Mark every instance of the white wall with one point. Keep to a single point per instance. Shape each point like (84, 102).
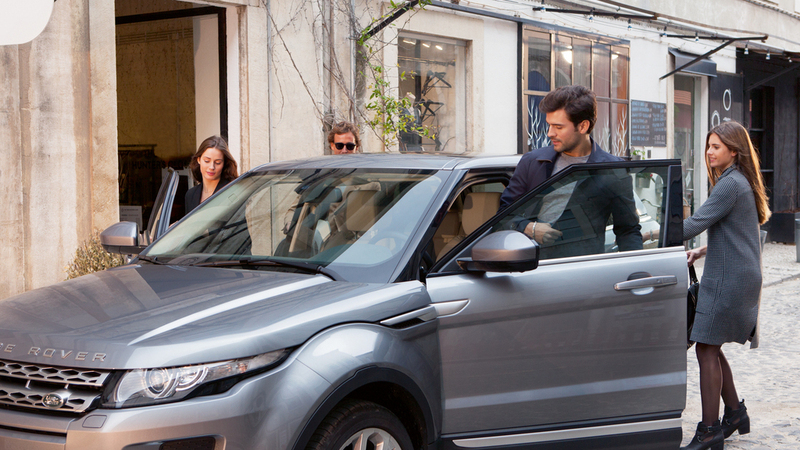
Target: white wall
(501, 84)
(206, 78)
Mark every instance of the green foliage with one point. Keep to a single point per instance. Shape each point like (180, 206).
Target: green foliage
(390, 115)
(92, 257)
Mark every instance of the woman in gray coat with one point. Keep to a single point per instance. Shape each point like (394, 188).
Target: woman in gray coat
(727, 305)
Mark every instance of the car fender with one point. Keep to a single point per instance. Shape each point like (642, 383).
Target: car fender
(356, 355)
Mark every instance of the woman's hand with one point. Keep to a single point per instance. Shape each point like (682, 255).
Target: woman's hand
(695, 254)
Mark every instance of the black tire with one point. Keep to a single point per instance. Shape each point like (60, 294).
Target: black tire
(351, 420)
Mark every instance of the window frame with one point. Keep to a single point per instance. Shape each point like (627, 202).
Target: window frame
(594, 41)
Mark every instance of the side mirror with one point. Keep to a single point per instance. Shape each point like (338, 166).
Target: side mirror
(503, 251)
(122, 238)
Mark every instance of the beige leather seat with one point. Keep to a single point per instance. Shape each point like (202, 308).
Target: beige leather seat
(358, 214)
(478, 208)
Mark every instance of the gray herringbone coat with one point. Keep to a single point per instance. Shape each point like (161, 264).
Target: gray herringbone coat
(727, 305)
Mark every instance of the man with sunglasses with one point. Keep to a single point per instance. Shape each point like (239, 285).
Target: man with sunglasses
(343, 138)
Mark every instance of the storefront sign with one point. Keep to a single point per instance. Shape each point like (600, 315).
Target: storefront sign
(725, 99)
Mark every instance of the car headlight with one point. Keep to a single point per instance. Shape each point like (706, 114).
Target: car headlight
(142, 387)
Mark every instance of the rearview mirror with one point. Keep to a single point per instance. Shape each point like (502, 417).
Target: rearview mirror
(503, 251)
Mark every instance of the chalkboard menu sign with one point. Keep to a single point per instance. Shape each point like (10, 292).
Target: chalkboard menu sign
(648, 124)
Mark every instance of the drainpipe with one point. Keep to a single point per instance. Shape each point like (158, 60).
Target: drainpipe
(269, 79)
(353, 50)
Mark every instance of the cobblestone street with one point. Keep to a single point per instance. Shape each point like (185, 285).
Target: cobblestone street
(766, 377)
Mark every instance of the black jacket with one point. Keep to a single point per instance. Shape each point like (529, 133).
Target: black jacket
(594, 200)
(536, 166)
(193, 195)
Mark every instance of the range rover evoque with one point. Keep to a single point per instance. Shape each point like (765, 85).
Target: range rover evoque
(365, 302)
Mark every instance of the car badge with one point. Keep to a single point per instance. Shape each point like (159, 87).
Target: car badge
(55, 400)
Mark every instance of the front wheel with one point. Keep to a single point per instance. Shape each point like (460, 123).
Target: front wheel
(360, 425)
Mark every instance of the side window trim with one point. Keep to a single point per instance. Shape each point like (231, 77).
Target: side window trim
(470, 179)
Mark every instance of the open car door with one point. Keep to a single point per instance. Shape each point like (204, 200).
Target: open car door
(125, 237)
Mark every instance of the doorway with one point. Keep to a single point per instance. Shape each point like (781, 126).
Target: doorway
(171, 94)
(688, 145)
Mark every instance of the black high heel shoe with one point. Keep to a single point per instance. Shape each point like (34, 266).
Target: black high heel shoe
(707, 437)
(735, 419)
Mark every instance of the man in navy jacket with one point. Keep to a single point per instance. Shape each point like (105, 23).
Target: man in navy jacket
(571, 112)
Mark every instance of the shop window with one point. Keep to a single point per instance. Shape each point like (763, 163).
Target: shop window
(557, 59)
(434, 81)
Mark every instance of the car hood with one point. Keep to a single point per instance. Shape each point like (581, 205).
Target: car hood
(158, 316)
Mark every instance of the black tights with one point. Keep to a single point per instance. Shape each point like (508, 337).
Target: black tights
(716, 380)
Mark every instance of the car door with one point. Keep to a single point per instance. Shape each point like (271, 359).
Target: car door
(589, 345)
(159, 221)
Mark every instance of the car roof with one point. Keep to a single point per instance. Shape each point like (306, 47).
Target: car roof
(423, 161)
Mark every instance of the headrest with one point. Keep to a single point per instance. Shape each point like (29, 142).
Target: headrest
(478, 208)
(360, 209)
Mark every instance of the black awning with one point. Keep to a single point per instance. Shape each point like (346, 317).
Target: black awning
(703, 67)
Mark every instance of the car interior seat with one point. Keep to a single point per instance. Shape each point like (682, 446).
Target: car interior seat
(478, 208)
(359, 211)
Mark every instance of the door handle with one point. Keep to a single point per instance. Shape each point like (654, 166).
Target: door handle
(649, 282)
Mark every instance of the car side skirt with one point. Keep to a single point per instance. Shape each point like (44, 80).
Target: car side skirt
(653, 434)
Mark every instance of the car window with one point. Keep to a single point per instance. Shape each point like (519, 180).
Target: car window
(473, 206)
(357, 218)
(591, 211)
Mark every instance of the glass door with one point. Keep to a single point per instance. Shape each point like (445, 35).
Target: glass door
(687, 140)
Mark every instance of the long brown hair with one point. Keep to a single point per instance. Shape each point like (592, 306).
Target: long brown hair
(735, 137)
(229, 167)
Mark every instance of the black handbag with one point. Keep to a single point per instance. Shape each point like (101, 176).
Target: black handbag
(691, 305)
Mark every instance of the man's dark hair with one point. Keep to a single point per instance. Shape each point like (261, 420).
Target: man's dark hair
(578, 102)
(342, 128)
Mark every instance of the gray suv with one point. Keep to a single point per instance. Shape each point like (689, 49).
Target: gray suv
(367, 302)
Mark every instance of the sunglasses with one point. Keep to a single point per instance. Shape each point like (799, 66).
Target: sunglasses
(341, 145)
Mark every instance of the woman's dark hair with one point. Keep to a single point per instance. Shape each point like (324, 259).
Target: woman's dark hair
(577, 101)
(342, 128)
(229, 168)
(736, 138)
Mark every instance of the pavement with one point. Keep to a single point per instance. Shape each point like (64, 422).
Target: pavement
(766, 377)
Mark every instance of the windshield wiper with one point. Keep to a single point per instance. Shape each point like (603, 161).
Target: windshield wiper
(151, 259)
(305, 267)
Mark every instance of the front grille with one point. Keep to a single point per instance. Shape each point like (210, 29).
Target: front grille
(27, 385)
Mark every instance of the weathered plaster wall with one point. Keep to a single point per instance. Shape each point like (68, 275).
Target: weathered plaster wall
(60, 179)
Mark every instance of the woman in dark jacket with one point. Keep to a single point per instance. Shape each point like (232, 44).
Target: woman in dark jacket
(727, 305)
(214, 167)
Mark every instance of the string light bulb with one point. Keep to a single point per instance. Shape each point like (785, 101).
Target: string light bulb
(591, 15)
(629, 24)
(696, 38)
(767, 55)
(746, 50)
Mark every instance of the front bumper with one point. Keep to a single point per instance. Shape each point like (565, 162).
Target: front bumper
(265, 411)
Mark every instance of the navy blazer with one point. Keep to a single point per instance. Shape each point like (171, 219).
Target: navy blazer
(536, 166)
(193, 196)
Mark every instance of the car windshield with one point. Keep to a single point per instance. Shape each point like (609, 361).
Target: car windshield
(350, 220)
